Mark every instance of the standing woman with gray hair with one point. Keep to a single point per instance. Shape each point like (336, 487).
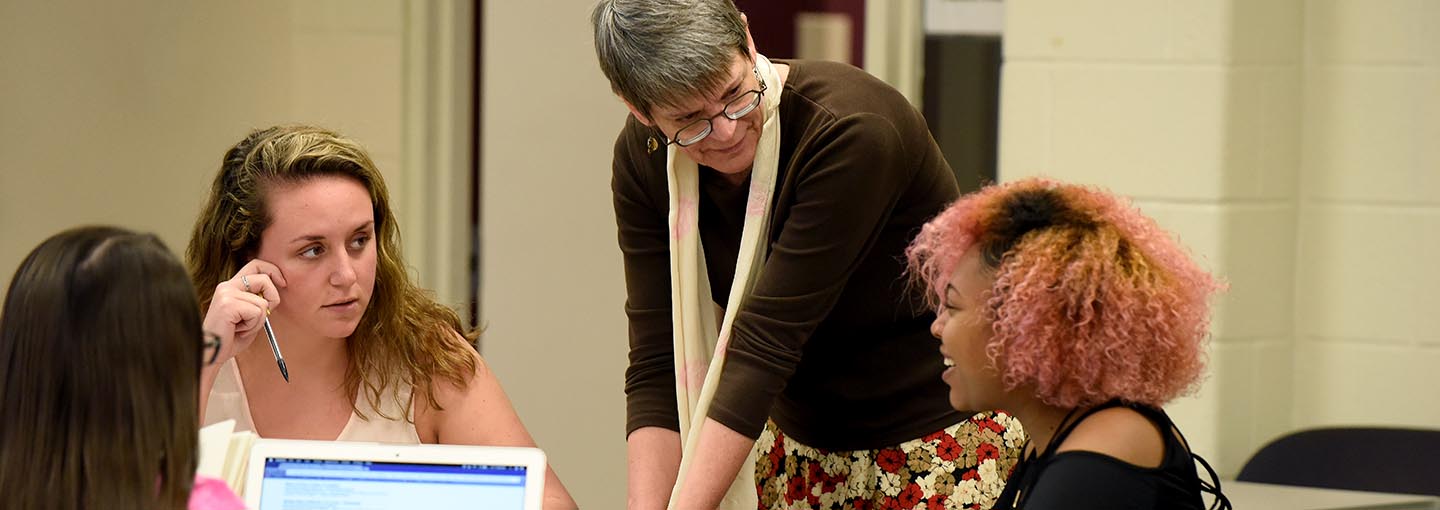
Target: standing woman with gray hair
(776, 350)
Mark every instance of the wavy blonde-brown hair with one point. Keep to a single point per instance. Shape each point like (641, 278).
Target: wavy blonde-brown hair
(404, 336)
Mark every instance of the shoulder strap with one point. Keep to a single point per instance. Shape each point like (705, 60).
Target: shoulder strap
(1211, 487)
(1067, 425)
(1160, 419)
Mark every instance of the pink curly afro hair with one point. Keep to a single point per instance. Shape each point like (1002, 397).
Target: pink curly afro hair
(1092, 300)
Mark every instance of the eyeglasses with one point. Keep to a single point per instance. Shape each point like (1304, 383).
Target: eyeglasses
(741, 106)
(211, 349)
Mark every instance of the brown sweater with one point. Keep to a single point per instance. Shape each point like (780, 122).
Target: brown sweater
(832, 343)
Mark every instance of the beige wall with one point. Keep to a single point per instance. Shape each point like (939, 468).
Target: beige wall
(119, 112)
(1368, 322)
(552, 287)
(1285, 141)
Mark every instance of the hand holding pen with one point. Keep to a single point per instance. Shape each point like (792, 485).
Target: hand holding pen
(240, 307)
(275, 348)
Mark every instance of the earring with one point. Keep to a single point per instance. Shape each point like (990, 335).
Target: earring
(651, 145)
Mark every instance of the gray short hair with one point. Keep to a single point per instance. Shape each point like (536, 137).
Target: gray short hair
(664, 52)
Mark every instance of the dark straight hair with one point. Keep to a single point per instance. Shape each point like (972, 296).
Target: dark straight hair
(100, 346)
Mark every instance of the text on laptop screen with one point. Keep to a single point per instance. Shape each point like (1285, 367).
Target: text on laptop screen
(313, 484)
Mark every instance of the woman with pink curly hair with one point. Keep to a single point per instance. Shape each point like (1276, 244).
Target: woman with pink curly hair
(1067, 307)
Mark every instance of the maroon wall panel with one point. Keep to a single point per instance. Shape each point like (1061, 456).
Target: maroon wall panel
(772, 23)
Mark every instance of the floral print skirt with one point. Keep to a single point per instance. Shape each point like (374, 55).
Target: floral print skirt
(963, 466)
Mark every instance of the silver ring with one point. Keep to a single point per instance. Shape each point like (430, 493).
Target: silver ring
(246, 282)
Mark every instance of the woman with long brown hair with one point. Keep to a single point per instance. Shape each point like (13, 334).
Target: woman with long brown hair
(100, 359)
(298, 227)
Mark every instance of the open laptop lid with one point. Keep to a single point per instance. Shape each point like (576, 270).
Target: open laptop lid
(290, 474)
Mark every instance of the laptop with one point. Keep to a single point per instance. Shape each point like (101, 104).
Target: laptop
(306, 475)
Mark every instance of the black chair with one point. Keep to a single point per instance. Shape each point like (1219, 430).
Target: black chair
(1396, 460)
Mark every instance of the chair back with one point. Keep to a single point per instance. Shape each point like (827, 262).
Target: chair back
(1372, 459)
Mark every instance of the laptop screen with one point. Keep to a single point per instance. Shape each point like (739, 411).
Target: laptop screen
(317, 484)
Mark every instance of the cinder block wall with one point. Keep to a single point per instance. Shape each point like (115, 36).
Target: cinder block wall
(1292, 145)
(1368, 270)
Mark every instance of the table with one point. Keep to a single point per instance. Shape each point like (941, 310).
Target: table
(1261, 496)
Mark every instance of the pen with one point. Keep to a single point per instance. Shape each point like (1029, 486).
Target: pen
(275, 348)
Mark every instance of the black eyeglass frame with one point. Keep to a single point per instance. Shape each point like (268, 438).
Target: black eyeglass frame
(211, 344)
(709, 122)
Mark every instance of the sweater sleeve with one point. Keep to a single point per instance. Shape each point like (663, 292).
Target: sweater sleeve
(848, 179)
(644, 243)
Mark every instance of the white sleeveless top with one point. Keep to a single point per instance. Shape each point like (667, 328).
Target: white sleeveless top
(228, 402)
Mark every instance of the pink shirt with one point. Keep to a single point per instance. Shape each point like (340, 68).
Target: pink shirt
(213, 494)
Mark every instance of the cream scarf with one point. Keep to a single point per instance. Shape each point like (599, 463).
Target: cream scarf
(699, 345)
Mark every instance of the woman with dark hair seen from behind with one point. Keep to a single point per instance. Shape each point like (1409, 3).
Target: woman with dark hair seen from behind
(100, 358)
(1069, 308)
(298, 225)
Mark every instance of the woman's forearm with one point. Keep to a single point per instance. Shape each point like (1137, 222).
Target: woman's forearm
(208, 375)
(718, 458)
(556, 496)
(653, 463)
